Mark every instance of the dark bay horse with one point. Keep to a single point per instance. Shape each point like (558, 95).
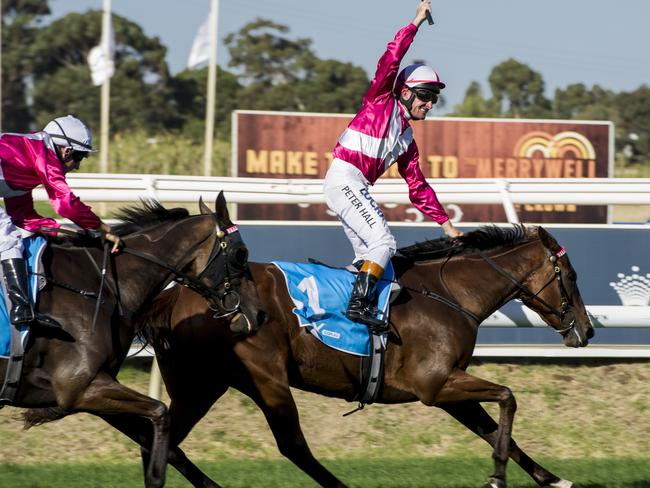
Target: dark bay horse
(430, 345)
(77, 372)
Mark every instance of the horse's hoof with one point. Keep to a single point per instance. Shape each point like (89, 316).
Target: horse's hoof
(563, 484)
(492, 482)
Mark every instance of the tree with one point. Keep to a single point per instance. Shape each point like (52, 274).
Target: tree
(633, 129)
(190, 88)
(141, 92)
(578, 102)
(475, 105)
(518, 91)
(283, 74)
(265, 56)
(20, 20)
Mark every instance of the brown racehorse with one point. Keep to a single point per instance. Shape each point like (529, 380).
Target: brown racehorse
(430, 344)
(76, 371)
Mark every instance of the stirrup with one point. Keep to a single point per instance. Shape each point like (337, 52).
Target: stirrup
(368, 317)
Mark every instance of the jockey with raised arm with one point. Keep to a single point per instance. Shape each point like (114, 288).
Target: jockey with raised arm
(27, 161)
(379, 136)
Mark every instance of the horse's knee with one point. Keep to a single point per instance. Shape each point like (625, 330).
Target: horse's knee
(507, 399)
(160, 415)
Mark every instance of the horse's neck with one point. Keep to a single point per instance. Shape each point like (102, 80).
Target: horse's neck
(488, 289)
(143, 277)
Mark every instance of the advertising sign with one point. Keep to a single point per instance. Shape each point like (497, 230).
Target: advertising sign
(298, 145)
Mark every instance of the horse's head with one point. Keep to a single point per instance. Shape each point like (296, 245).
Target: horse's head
(556, 297)
(226, 270)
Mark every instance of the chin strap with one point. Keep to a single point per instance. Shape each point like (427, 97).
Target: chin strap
(408, 102)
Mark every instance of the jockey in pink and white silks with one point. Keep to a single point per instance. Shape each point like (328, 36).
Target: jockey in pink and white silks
(380, 135)
(27, 161)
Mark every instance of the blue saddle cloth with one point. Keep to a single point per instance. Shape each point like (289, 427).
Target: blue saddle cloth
(321, 294)
(34, 247)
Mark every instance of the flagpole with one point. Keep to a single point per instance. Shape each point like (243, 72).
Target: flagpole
(211, 93)
(106, 90)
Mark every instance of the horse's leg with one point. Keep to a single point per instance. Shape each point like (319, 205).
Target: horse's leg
(463, 387)
(105, 396)
(139, 431)
(473, 416)
(279, 408)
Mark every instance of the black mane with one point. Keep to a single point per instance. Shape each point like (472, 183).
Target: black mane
(149, 213)
(481, 239)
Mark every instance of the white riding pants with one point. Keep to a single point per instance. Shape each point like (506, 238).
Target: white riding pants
(346, 194)
(11, 239)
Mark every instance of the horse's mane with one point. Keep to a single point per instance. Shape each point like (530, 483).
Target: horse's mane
(482, 239)
(147, 214)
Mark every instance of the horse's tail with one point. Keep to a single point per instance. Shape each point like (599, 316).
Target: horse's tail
(154, 325)
(38, 416)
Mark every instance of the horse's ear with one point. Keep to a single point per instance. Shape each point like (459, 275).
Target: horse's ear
(205, 210)
(221, 208)
(547, 239)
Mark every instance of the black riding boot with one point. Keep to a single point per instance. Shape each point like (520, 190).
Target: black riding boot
(361, 308)
(22, 312)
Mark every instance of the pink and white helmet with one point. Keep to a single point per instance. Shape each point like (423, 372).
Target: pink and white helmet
(419, 75)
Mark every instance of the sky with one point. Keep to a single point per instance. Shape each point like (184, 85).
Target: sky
(567, 41)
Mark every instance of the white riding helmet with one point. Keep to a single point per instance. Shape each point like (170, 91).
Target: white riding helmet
(419, 76)
(69, 131)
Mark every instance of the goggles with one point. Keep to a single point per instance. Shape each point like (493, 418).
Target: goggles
(78, 156)
(425, 95)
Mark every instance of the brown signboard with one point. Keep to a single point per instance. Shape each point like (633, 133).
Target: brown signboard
(293, 145)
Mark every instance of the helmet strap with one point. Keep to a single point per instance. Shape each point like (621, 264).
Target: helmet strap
(407, 102)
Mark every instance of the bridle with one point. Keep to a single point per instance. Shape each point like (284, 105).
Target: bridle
(226, 301)
(565, 307)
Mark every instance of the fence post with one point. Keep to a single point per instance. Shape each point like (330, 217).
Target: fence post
(508, 206)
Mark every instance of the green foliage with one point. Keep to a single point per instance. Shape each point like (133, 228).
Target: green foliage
(190, 92)
(475, 105)
(518, 90)
(20, 20)
(284, 74)
(165, 153)
(265, 56)
(141, 95)
(634, 124)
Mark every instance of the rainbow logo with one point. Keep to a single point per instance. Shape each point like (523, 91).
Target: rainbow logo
(567, 144)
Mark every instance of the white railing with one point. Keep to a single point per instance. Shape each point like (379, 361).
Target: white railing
(95, 187)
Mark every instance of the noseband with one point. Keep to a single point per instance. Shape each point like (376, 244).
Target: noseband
(557, 276)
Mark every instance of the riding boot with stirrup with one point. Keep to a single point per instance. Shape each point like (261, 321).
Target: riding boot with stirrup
(22, 312)
(361, 307)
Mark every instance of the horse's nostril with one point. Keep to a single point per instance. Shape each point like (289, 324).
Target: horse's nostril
(590, 332)
(261, 317)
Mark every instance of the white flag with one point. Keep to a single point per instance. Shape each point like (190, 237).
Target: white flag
(101, 68)
(200, 53)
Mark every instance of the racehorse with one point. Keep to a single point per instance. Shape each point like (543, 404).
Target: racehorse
(447, 290)
(77, 372)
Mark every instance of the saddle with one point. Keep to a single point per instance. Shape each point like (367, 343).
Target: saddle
(320, 294)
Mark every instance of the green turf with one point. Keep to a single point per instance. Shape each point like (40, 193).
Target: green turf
(431, 473)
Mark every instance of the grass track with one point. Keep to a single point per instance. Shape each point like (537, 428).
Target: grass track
(413, 473)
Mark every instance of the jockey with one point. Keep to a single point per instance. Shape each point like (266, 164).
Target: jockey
(378, 136)
(26, 161)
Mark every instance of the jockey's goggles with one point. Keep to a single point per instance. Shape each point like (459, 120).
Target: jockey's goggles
(425, 95)
(78, 156)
